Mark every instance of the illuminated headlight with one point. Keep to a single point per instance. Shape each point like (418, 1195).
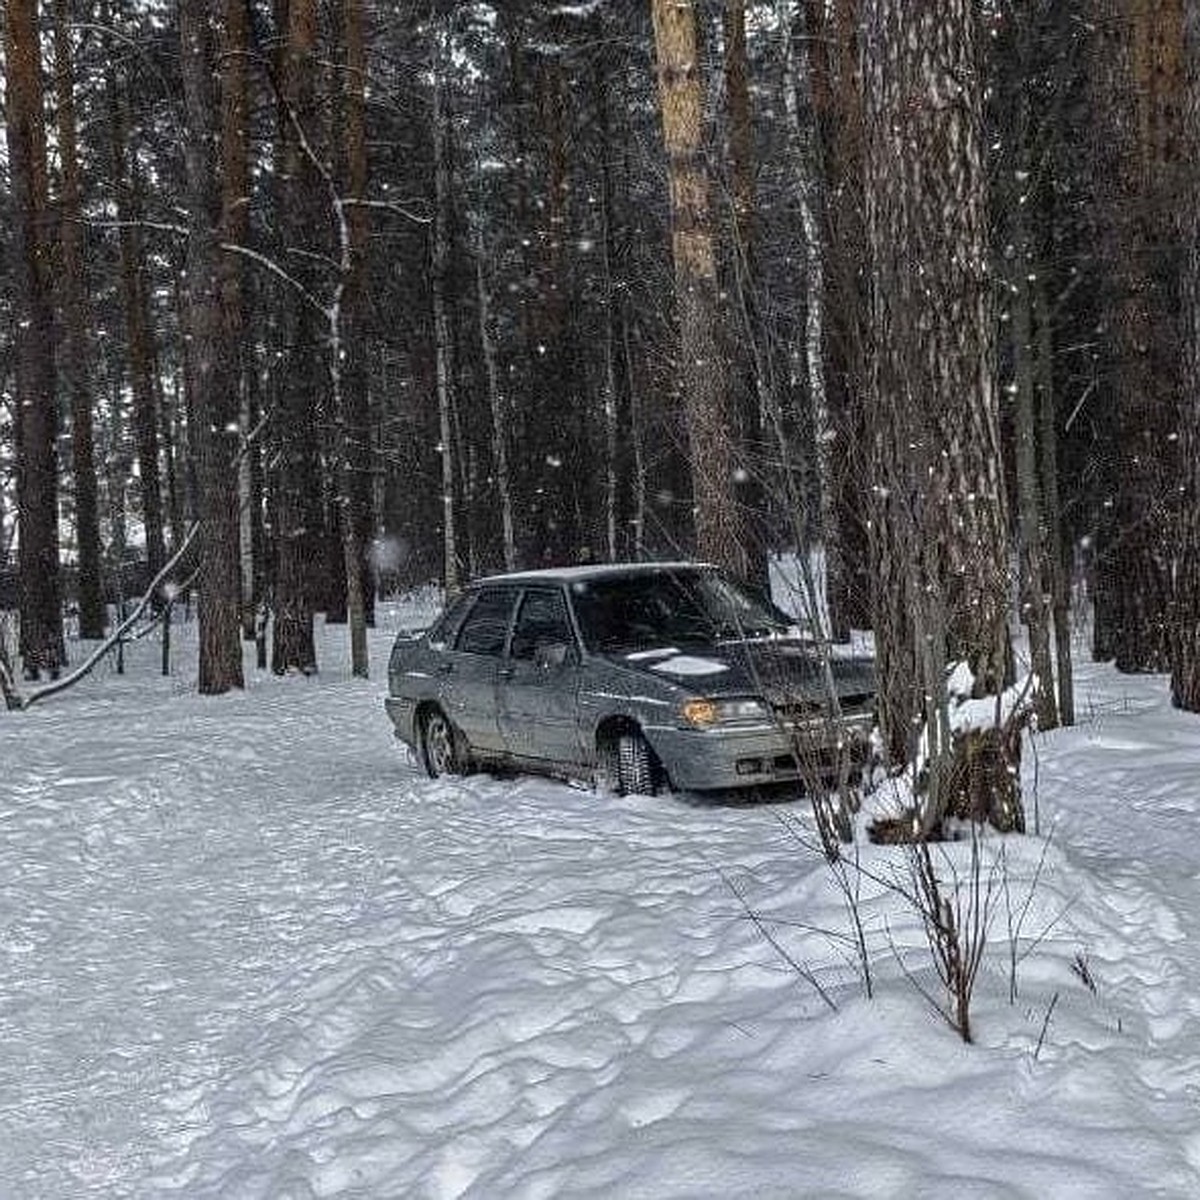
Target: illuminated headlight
(702, 714)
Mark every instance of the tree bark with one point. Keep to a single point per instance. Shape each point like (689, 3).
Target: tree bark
(41, 640)
(700, 370)
(497, 408)
(214, 323)
(1185, 648)
(127, 182)
(940, 524)
(1058, 550)
(1035, 589)
(752, 477)
(1139, 92)
(295, 511)
(833, 47)
(74, 359)
(354, 333)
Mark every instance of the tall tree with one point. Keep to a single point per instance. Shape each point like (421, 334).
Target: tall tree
(210, 43)
(74, 353)
(41, 641)
(135, 291)
(296, 523)
(1185, 657)
(353, 333)
(833, 28)
(1138, 82)
(443, 344)
(940, 527)
(701, 377)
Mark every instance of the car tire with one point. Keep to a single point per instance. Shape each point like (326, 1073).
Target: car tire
(441, 746)
(636, 769)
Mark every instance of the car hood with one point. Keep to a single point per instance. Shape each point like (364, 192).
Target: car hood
(778, 670)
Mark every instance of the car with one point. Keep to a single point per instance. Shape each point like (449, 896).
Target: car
(632, 677)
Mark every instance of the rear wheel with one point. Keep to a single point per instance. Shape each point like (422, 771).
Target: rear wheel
(440, 746)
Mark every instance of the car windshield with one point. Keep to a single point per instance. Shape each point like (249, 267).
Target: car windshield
(657, 609)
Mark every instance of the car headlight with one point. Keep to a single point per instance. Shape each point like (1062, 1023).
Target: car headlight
(703, 713)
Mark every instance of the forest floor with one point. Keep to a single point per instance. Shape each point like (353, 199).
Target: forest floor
(248, 950)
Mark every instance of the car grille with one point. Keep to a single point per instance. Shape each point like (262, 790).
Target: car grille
(805, 711)
(798, 710)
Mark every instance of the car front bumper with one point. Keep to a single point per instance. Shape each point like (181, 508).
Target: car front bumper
(716, 758)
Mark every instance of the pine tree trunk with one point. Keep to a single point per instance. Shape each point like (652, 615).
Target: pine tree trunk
(41, 640)
(295, 508)
(126, 176)
(214, 324)
(833, 29)
(700, 370)
(1185, 649)
(75, 363)
(1141, 77)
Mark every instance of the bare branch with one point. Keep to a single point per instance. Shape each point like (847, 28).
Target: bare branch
(85, 669)
(279, 272)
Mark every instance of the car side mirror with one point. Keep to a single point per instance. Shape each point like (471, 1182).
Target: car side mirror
(554, 654)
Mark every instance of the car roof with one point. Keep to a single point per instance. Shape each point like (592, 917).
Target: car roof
(588, 572)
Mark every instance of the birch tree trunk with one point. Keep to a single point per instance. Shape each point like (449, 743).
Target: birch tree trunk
(451, 566)
(497, 406)
(355, 397)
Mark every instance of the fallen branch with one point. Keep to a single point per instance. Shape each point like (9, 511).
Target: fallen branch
(85, 669)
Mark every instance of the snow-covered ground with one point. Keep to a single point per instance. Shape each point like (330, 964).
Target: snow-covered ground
(247, 950)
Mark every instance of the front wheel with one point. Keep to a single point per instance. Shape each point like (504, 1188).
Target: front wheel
(631, 768)
(440, 747)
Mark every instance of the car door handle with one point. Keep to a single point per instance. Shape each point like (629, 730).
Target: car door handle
(445, 669)
(504, 673)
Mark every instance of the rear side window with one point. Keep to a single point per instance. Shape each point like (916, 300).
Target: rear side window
(542, 621)
(442, 630)
(486, 626)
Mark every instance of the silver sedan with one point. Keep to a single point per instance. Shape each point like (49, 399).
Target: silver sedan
(634, 677)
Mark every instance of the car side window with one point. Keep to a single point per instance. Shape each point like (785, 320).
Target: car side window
(442, 630)
(486, 625)
(541, 621)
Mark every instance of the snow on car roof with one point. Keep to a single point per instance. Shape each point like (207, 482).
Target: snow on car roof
(590, 571)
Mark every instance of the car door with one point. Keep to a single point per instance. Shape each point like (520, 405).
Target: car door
(470, 670)
(538, 688)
